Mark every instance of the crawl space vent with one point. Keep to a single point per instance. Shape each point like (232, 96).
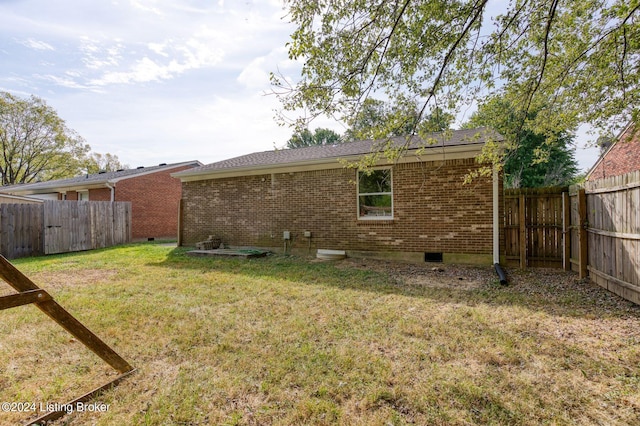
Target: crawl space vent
(433, 257)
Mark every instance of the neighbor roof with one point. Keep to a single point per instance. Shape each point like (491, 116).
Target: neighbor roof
(325, 154)
(93, 179)
(623, 156)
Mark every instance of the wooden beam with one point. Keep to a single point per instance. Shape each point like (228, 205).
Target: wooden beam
(24, 298)
(620, 235)
(582, 235)
(566, 232)
(523, 231)
(15, 278)
(54, 415)
(83, 334)
(20, 282)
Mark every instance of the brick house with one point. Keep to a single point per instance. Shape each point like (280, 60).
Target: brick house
(14, 199)
(300, 200)
(623, 156)
(153, 193)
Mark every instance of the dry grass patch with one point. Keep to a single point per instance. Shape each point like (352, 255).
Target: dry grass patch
(279, 341)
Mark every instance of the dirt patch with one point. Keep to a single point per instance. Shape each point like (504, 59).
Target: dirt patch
(73, 278)
(457, 277)
(546, 285)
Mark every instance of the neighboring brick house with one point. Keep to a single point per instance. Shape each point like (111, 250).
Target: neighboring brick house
(622, 157)
(14, 199)
(153, 193)
(416, 208)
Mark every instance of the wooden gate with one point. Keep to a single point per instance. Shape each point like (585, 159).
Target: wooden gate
(85, 225)
(535, 227)
(66, 226)
(62, 226)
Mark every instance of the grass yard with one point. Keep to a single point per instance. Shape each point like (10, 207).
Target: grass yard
(286, 341)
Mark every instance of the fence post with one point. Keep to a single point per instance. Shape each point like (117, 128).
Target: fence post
(523, 231)
(582, 233)
(180, 213)
(566, 232)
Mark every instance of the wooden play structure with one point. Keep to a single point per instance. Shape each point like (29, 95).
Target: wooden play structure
(28, 293)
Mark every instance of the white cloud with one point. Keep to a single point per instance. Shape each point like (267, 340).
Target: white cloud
(144, 6)
(36, 44)
(96, 56)
(256, 73)
(158, 48)
(200, 54)
(143, 71)
(69, 81)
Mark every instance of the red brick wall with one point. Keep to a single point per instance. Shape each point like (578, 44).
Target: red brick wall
(433, 210)
(100, 194)
(622, 158)
(154, 203)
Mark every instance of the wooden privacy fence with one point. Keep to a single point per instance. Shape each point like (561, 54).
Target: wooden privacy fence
(535, 226)
(62, 226)
(594, 230)
(613, 233)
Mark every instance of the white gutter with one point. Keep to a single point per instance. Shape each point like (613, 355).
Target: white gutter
(113, 190)
(496, 216)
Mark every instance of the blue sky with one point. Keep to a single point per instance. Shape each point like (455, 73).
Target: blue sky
(157, 81)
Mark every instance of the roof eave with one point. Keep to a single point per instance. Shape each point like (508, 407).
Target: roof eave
(58, 188)
(428, 154)
(55, 186)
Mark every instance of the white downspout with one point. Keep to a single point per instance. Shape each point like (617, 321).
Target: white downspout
(496, 216)
(113, 191)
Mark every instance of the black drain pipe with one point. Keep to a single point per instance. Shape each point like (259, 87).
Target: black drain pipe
(501, 274)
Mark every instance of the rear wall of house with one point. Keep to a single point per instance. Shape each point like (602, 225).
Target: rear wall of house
(155, 198)
(433, 211)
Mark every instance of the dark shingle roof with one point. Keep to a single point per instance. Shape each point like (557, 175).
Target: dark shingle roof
(329, 152)
(96, 178)
(622, 157)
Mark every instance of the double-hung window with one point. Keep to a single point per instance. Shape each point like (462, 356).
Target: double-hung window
(375, 197)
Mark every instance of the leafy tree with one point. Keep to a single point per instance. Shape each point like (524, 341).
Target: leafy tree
(38, 146)
(319, 137)
(378, 120)
(96, 162)
(36, 143)
(531, 159)
(437, 120)
(570, 62)
(604, 142)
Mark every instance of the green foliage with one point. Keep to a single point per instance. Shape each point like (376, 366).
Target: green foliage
(36, 143)
(531, 159)
(319, 137)
(96, 162)
(570, 62)
(378, 120)
(38, 146)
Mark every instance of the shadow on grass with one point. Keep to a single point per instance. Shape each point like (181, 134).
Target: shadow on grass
(556, 292)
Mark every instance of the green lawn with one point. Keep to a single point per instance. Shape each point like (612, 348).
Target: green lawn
(286, 341)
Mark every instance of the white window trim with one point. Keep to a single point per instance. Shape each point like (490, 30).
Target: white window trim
(378, 218)
(85, 192)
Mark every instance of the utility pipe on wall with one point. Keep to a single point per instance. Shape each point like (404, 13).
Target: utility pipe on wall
(113, 190)
(496, 216)
(496, 227)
